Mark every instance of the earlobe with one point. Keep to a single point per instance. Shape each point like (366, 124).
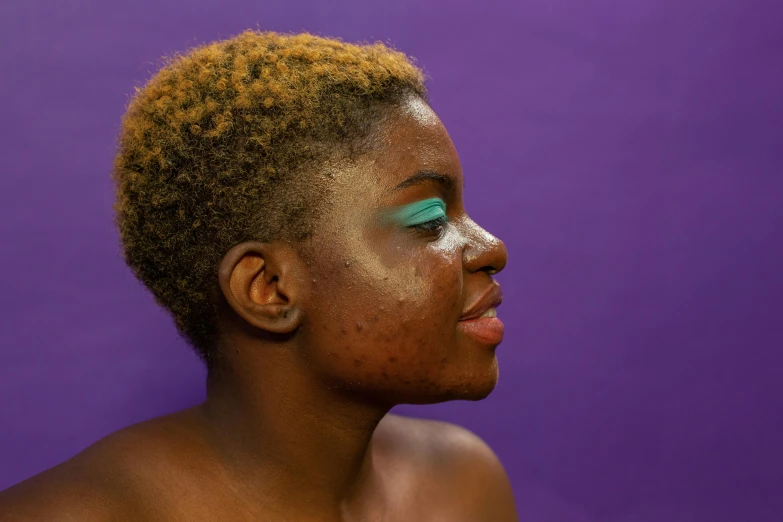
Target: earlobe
(282, 320)
(258, 282)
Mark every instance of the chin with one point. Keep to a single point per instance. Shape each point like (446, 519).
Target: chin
(480, 385)
(476, 389)
(461, 393)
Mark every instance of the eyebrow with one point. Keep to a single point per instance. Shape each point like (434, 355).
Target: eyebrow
(422, 176)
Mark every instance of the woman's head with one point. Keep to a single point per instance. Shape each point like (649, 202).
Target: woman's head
(300, 189)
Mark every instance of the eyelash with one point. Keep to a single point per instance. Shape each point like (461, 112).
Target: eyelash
(432, 226)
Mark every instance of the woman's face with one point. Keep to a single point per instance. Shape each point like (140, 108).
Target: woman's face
(390, 276)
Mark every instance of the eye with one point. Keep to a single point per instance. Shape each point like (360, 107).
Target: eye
(427, 216)
(434, 225)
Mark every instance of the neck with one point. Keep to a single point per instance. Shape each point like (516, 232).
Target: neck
(282, 434)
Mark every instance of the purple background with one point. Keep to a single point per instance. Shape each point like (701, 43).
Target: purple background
(628, 152)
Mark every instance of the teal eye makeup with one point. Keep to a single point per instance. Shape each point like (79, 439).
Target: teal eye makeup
(427, 214)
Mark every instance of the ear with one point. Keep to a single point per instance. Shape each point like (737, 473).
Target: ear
(259, 281)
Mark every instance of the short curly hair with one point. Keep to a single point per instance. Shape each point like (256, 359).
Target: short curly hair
(215, 149)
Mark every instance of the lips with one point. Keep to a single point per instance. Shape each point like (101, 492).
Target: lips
(479, 321)
(491, 298)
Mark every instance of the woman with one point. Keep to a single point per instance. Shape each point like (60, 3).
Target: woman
(296, 205)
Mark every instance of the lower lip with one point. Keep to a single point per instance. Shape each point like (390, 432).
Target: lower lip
(488, 330)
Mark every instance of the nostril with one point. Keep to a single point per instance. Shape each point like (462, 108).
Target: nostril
(491, 270)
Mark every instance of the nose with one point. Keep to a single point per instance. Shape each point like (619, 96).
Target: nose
(483, 251)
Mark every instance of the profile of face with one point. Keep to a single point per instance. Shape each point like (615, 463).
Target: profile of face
(393, 265)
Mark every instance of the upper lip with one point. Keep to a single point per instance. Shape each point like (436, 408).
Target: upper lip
(491, 298)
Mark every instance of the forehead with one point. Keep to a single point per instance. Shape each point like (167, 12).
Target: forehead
(409, 139)
(413, 139)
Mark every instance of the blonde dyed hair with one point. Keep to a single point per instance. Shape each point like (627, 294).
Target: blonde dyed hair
(218, 148)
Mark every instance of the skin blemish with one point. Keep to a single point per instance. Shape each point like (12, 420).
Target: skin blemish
(347, 264)
(359, 326)
(405, 325)
(357, 362)
(392, 359)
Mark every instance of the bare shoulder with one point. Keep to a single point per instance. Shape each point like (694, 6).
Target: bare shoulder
(446, 468)
(81, 488)
(107, 481)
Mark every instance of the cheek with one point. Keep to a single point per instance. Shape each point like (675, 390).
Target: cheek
(417, 324)
(391, 326)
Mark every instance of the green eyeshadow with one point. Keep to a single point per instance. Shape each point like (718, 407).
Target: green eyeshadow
(417, 213)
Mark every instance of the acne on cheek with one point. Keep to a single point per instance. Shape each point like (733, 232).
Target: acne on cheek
(371, 351)
(382, 332)
(376, 343)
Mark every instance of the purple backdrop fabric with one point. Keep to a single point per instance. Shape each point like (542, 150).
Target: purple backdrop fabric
(629, 154)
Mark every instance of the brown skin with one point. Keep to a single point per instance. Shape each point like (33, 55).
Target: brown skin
(321, 340)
